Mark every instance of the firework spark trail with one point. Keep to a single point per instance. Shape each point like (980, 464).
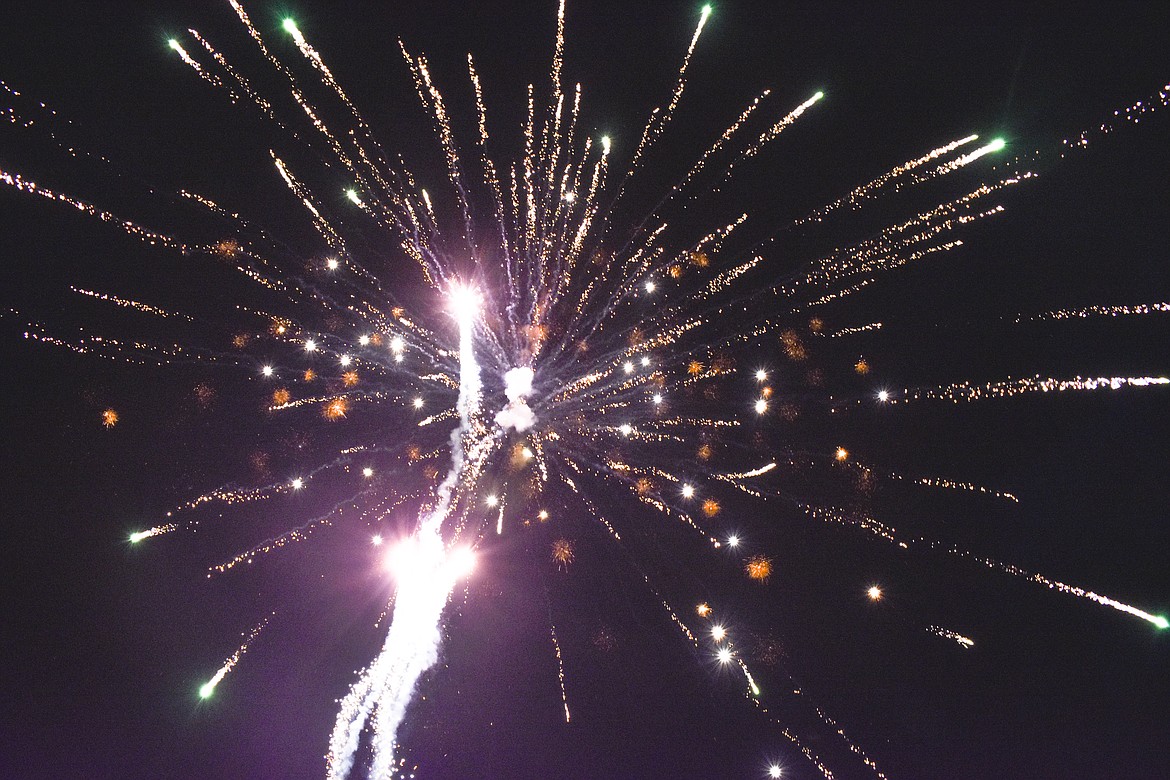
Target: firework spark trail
(208, 688)
(1006, 388)
(872, 326)
(883, 531)
(1156, 620)
(659, 118)
(1097, 311)
(424, 584)
(552, 630)
(965, 642)
(950, 484)
(871, 188)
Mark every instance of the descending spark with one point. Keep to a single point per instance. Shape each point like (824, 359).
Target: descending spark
(208, 688)
(1097, 311)
(950, 484)
(946, 633)
(855, 330)
(868, 190)
(1159, 621)
(560, 670)
(129, 304)
(966, 391)
(883, 531)
(748, 474)
(158, 530)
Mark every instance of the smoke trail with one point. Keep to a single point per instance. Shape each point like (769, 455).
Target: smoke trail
(425, 573)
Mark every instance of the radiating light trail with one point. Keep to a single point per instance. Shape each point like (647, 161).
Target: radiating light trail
(208, 688)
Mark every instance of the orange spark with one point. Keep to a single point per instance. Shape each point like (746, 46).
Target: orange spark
(335, 409)
(758, 567)
(227, 248)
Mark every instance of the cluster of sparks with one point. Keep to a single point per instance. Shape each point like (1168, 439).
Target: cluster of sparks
(571, 360)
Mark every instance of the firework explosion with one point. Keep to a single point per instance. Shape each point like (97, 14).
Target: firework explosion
(561, 344)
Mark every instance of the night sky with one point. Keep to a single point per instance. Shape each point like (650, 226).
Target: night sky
(104, 645)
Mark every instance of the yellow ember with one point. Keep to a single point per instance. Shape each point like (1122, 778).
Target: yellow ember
(861, 366)
(793, 347)
(710, 507)
(109, 418)
(562, 553)
(349, 378)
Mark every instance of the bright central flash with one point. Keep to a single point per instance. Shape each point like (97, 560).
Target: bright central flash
(412, 561)
(463, 301)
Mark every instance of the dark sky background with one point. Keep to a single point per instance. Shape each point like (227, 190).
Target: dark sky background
(105, 645)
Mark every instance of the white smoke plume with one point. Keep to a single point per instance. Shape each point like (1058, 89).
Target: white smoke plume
(517, 415)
